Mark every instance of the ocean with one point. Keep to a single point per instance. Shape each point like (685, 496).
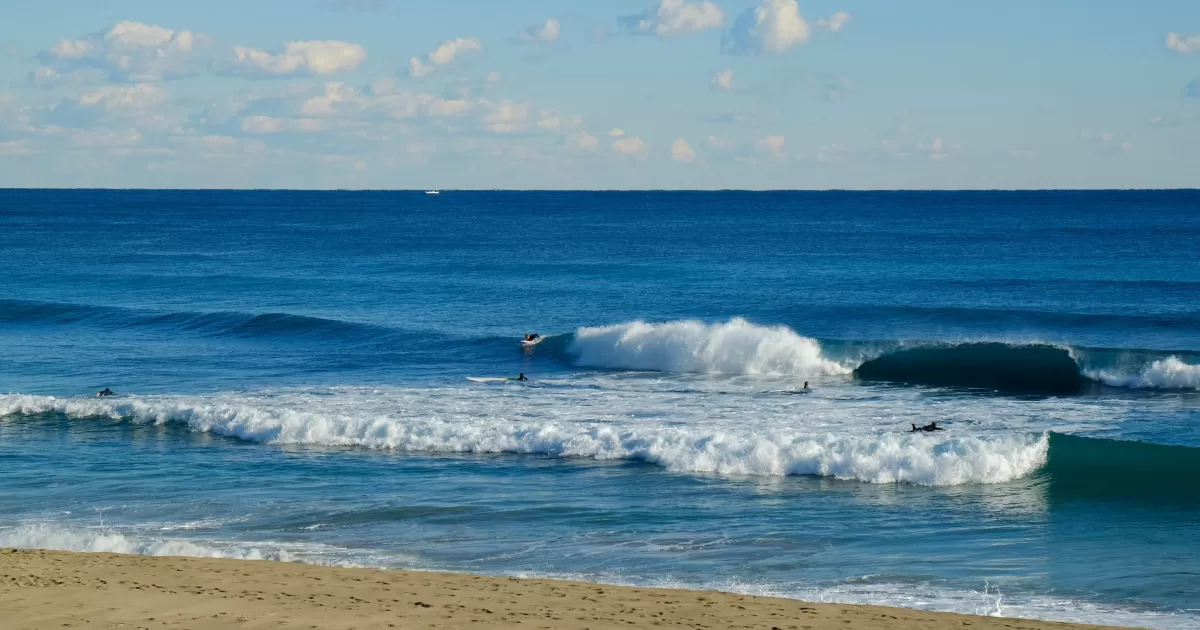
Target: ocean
(292, 368)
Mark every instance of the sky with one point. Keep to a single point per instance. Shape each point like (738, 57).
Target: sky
(600, 94)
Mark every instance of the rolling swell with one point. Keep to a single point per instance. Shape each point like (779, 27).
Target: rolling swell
(1085, 467)
(210, 324)
(1035, 369)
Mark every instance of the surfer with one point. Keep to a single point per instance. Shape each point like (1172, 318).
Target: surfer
(521, 377)
(532, 337)
(105, 392)
(929, 428)
(805, 385)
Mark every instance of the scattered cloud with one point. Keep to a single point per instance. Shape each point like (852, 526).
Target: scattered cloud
(934, 150)
(47, 78)
(771, 28)
(1127, 147)
(681, 151)
(834, 23)
(118, 98)
(103, 138)
(631, 146)
(443, 55)
(16, 148)
(506, 117)
(774, 146)
(582, 141)
(492, 78)
(1183, 44)
(674, 17)
(383, 99)
(133, 51)
(723, 80)
(316, 58)
(268, 124)
(616, 133)
(547, 32)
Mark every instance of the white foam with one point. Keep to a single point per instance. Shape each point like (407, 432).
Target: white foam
(453, 421)
(1168, 373)
(107, 540)
(733, 347)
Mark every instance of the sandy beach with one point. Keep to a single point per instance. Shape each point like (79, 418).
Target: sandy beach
(50, 589)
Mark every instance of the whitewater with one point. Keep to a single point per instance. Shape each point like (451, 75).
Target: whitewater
(292, 376)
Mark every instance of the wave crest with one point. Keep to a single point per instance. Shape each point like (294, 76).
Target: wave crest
(733, 347)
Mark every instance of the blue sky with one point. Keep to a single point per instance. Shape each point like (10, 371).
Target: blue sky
(815, 94)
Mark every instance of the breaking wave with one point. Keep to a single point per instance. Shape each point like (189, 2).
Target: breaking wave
(872, 458)
(733, 347)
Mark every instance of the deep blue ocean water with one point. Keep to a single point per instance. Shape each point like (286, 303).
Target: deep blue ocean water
(292, 377)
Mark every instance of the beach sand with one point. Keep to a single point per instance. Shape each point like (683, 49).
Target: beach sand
(52, 589)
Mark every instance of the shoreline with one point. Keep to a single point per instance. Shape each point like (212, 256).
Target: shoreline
(42, 589)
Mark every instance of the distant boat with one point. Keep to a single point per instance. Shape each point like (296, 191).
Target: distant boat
(433, 192)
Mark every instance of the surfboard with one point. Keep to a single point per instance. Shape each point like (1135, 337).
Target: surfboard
(525, 343)
(487, 379)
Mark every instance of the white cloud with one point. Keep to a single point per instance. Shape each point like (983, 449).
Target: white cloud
(582, 141)
(442, 55)
(89, 138)
(1127, 146)
(492, 78)
(675, 17)
(775, 146)
(16, 148)
(269, 124)
(550, 121)
(681, 151)
(934, 149)
(547, 32)
(47, 77)
(142, 96)
(772, 27)
(1183, 44)
(506, 116)
(631, 146)
(616, 133)
(133, 51)
(384, 99)
(310, 57)
(723, 80)
(835, 22)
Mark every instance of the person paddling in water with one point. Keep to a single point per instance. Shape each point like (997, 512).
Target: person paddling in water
(929, 428)
(105, 392)
(521, 377)
(532, 337)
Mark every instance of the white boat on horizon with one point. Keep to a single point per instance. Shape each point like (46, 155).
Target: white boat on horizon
(433, 192)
